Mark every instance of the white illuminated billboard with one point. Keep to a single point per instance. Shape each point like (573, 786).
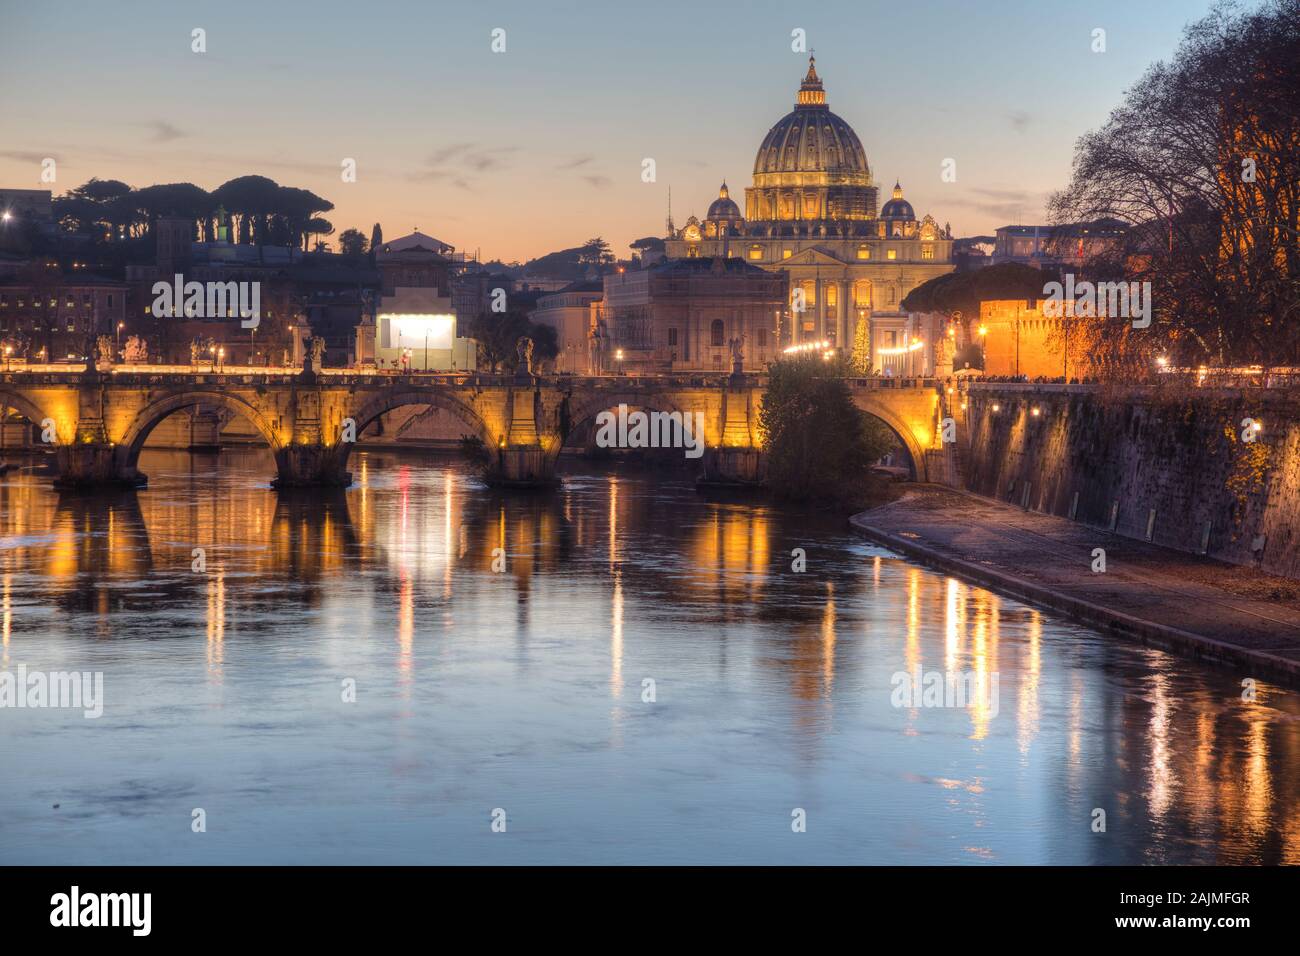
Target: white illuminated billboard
(411, 330)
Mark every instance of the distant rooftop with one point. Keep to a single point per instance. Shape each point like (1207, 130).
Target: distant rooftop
(417, 241)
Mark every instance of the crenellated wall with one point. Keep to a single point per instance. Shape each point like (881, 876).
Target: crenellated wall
(1113, 458)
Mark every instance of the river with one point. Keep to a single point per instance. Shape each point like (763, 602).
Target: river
(421, 670)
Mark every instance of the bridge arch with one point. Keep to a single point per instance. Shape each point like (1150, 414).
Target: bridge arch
(25, 407)
(438, 397)
(148, 418)
(586, 408)
(895, 423)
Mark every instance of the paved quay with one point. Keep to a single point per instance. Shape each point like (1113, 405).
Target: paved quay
(1170, 599)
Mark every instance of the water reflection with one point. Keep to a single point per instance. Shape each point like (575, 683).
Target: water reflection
(500, 643)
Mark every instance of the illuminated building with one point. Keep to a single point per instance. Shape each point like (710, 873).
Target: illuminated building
(575, 313)
(811, 213)
(414, 325)
(1072, 244)
(684, 314)
(1021, 340)
(47, 315)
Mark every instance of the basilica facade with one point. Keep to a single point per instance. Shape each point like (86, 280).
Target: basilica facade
(812, 212)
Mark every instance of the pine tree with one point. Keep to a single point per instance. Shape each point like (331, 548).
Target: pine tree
(861, 359)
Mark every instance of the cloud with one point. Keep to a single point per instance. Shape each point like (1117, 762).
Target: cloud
(1019, 195)
(164, 132)
(1008, 204)
(471, 156)
(1019, 120)
(598, 181)
(484, 160)
(446, 153)
(576, 162)
(23, 156)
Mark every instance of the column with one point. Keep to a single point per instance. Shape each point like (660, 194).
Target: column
(846, 309)
(819, 313)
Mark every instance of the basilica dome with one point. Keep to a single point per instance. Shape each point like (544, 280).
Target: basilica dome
(724, 208)
(812, 139)
(897, 207)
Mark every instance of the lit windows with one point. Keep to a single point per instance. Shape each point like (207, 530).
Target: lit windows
(927, 252)
(891, 255)
(864, 252)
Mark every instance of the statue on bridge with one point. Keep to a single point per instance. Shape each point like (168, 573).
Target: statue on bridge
(737, 345)
(524, 351)
(195, 347)
(136, 351)
(105, 353)
(316, 352)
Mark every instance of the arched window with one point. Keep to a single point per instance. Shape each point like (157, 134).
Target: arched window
(715, 332)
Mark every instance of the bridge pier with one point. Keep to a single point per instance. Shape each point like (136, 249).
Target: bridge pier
(311, 466)
(85, 465)
(521, 466)
(734, 466)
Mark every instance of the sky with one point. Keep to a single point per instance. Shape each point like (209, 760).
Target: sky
(518, 153)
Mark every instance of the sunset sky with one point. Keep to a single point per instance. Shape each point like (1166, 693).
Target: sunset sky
(524, 152)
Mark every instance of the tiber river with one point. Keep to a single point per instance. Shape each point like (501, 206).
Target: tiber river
(645, 681)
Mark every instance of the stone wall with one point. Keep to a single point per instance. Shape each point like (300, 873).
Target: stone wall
(1164, 465)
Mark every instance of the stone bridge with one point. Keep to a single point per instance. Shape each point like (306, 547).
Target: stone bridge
(99, 421)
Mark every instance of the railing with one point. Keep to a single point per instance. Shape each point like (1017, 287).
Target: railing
(984, 386)
(207, 372)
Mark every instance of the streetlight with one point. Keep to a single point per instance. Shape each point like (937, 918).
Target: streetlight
(618, 357)
(984, 331)
(9, 349)
(221, 356)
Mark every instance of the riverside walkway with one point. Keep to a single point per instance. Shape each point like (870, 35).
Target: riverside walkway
(1224, 613)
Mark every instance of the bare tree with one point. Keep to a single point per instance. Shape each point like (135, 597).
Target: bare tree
(1202, 158)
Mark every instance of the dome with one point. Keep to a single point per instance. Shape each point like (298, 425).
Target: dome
(812, 139)
(897, 207)
(724, 208)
